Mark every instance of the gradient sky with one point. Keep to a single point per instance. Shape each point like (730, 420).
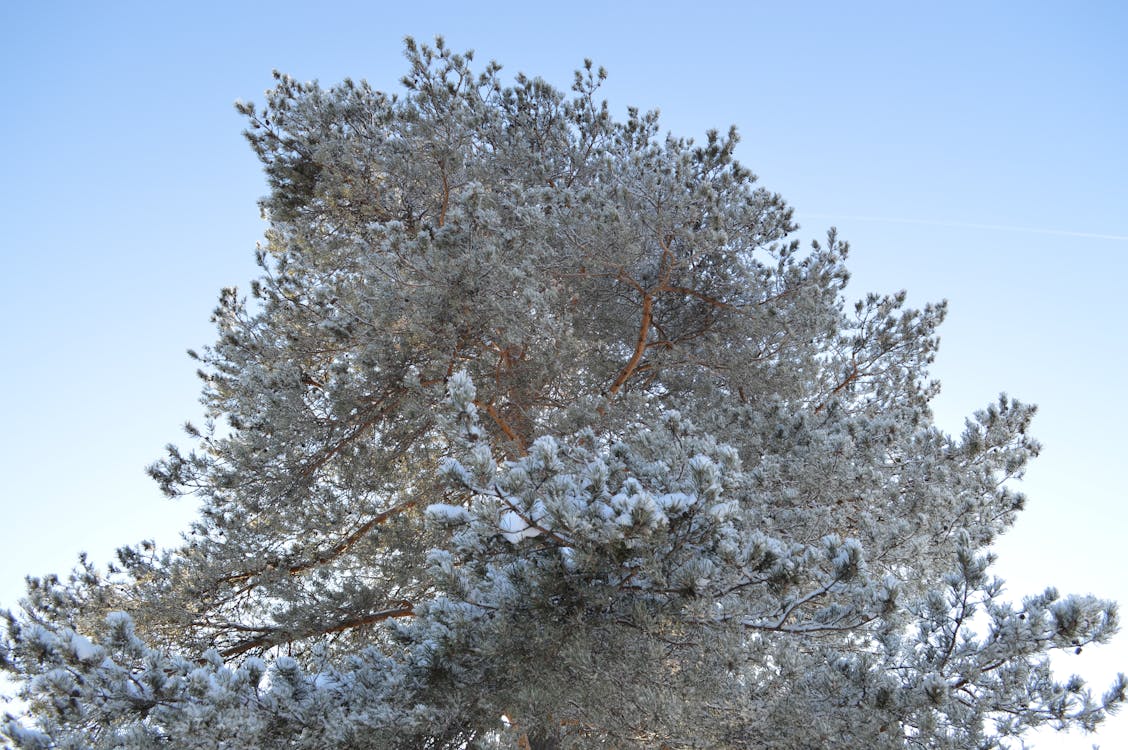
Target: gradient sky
(974, 152)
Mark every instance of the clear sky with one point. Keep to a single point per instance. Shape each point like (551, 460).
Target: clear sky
(970, 151)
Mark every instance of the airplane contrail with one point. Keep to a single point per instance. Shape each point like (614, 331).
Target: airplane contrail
(970, 225)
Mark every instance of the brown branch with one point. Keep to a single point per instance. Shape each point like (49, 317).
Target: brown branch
(713, 301)
(667, 263)
(622, 276)
(405, 609)
(276, 636)
(336, 550)
(347, 543)
(309, 380)
(850, 378)
(640, 345)
(503, 425)
(782, 295)
(446, 198)
(328, 453)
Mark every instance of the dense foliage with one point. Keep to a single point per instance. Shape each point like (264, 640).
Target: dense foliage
(539, 431)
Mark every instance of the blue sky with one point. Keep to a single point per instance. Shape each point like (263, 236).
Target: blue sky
(969, 152)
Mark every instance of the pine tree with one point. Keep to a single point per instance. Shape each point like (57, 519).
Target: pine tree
(539, 430)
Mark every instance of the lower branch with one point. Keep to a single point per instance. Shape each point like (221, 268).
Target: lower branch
(276, 637)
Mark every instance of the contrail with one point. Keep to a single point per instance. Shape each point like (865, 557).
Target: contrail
(970, 225)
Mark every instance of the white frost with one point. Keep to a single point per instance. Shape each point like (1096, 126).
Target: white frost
(84, 650)
(444, 513)
(514, 528)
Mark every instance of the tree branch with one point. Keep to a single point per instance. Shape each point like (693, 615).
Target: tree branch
(277, 636)
(640, 345)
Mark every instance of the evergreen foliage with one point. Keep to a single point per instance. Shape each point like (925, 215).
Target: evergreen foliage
(539, 431)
